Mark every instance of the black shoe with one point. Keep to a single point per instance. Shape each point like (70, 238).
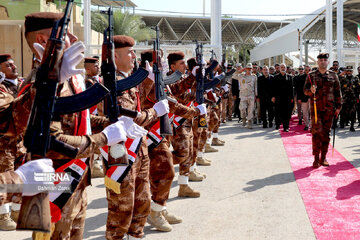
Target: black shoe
(286, 130)
(306, 128)
(270, 125)
(277, 127)
(342, 125)
(264, 126)
(352, 129)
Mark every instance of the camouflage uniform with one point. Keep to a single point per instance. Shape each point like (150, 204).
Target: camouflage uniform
(71, 225)
(9, 177)
(127, 211)
(161, 160)
(348, 110)
(328, 100)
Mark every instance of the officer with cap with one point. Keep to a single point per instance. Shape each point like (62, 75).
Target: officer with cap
(323, 85)
(348, 90)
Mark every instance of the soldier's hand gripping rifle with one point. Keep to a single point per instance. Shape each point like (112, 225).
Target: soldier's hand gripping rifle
(200, 83)
(116, 87)
(35, 211)
(165, 126)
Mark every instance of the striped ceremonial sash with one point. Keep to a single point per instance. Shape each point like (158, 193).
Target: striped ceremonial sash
(178, 121)
(115, 174)
(76, 167)
(154, 138)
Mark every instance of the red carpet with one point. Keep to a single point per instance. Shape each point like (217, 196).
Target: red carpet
(331, 194)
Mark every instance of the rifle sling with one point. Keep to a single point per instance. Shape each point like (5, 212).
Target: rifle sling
(173, 78)
(211, 84)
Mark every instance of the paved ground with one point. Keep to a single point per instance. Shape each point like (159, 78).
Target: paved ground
(250, 193)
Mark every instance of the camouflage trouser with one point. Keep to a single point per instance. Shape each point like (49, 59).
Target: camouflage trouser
(127, 211)
(203, 138)
(182, 143)
(224, 103)
(321, 131)
(161, 172)
(197, 139)
(230, 106)
(73, 214)
(214, 121)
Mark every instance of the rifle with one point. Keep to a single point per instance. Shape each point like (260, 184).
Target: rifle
(35, 211)
(200, 83)
(111, 107)
(165, 126)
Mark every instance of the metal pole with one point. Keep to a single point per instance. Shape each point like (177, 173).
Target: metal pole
(307, 52)
(328, 29)
(87, 26)
(301, 48)
(216, 27)
(340, 30)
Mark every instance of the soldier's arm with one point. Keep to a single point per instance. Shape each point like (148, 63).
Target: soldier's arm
(256, 86)
(9, 177)
(183, 111)
(183, 85)
(98, 123)
(87, 144)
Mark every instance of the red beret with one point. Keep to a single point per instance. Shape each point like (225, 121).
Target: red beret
(41, 20)
(121, 41)
(4, 57)
(147, 55)
(191, 63)
(175, 56)
(91, 60)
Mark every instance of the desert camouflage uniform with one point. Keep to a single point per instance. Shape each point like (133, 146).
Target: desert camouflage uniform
(161, 160)
(9, 177)
(328, 100)
(182, 141)
(127, 211)
(71, 224)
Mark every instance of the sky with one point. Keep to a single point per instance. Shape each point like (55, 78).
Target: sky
(258, 9)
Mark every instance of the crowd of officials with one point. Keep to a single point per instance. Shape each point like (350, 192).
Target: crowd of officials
(270, 95)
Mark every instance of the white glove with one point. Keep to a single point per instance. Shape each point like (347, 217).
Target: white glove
(72, 57)
(132, 129)
(193, 72)
(203, 62)
(26, 173)
(150, 70)
(115, 133)
(162, 107)
(225, 87)
(215, 97)
(217, 74)
(202, 108)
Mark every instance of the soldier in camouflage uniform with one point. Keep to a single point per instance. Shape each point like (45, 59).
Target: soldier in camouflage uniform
(11, 149)
(324, 84)
(128, 210)
(72, 128)
(348, 90)
(161, 161)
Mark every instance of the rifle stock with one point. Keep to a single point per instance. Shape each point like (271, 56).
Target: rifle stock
(35, 210)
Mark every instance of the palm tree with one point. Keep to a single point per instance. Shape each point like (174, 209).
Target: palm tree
(124, 24)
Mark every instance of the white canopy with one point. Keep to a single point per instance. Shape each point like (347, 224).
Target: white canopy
(286, 39)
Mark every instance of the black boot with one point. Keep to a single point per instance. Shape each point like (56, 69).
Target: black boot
(300, 122)
(316, 163)
(323, 160)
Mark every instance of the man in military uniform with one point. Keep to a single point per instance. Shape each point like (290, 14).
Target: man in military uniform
(128, 210)
(92, 68)
(324, 85)
(11, 149)
(38, 27)
(283, 97)
(161, 161)
(348, 90)
(248, 93)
